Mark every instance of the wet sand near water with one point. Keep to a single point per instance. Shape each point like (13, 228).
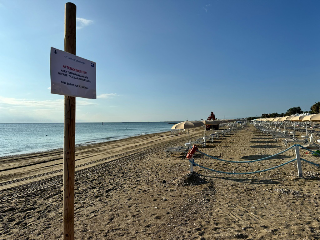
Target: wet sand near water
(141, 192)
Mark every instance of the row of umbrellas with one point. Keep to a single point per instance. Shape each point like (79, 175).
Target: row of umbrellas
(192, 124)
(298, 118)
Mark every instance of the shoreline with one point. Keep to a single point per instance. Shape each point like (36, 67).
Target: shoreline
(49, 162)
(49, 136)
(80, 145)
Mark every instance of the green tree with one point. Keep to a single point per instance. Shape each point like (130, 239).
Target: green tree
(274, 115)
(251, 118)
(315, 108)
(293, 110)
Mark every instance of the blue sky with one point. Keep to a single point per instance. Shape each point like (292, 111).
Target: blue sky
(164, 60)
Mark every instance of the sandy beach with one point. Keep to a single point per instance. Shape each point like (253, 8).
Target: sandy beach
(134, 189)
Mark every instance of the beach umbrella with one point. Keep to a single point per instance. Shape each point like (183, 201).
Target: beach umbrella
(289, 118)
(197, 123)
(315, 118)
(297, 118)
(276, 119)
(174, 126)
(294, 125)
(183, 125)
(282, 119)
(307, 117)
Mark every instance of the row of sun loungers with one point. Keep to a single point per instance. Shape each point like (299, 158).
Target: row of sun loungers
(289, 138)
(202, 141)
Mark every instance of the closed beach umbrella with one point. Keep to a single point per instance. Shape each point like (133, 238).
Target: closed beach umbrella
(315, 118)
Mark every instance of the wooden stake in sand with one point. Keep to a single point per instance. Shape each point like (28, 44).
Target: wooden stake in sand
(298, 162)
(69, 130)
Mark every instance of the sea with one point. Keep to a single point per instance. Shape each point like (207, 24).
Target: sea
(21, 138)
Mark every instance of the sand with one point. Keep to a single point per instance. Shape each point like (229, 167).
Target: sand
(133, 189)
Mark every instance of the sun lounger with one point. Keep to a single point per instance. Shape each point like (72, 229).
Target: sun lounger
(175, 150)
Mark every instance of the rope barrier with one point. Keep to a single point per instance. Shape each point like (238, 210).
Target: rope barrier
(257, 160)
(192, 163)
(298, 159)
(310, 162)
(259, 171)
(308, 150)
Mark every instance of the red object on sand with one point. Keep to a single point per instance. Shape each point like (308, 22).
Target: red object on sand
(192, 151)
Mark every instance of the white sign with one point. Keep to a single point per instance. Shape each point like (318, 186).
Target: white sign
(71, 75)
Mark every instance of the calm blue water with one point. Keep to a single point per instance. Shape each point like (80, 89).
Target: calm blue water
(19, 138)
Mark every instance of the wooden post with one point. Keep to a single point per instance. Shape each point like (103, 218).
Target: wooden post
(298, 161)
(69, 130)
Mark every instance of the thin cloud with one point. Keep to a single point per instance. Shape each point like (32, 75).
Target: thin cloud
(84, 102)
(107, 95)
(82, 22)
(26, 110)
(206, 7)
(47, 104)
(29, 103)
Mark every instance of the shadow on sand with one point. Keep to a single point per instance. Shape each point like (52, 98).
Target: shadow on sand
(265, 146)
(192, 179)
(262, 135)
(248, 180)
(255, 157)
(208, 146)
(264, 141)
